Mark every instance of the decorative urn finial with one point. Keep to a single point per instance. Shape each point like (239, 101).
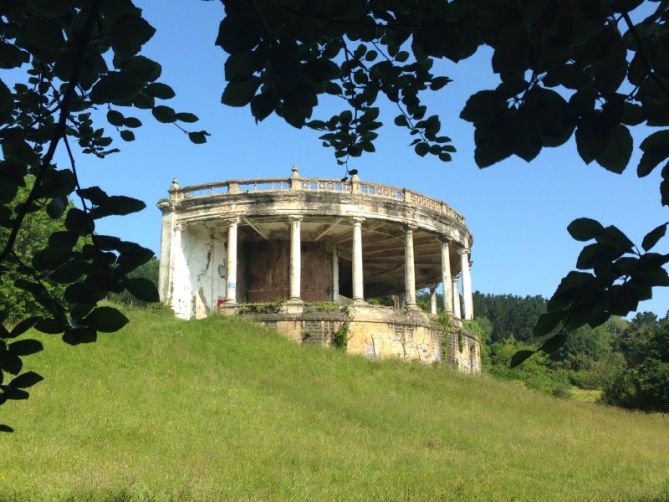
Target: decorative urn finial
(294, 172)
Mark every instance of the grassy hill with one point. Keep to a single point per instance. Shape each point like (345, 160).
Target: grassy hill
(221, 408)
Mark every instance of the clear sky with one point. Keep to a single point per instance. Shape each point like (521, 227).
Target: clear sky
(517, 212)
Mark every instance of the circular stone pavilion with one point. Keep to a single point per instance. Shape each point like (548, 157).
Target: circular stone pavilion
(305, 254)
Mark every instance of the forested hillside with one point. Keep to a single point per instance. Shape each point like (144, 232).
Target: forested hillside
(628, 361)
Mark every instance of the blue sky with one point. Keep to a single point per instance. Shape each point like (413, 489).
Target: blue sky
(518, 212)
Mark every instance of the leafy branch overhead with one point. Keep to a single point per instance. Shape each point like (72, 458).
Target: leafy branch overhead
(81, 62)
(591, 69)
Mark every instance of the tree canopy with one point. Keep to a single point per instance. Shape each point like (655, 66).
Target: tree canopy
(589, 68)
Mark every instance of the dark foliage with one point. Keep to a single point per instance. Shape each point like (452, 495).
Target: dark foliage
(644, 383)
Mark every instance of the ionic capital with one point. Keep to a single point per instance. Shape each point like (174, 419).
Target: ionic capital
(295, 217)
(357, 221)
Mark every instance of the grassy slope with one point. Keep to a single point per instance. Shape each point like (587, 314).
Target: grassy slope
(222, 408)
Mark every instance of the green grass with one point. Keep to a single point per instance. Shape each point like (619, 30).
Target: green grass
(220, 408)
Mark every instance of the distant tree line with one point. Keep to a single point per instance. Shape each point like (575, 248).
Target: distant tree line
(628, 361)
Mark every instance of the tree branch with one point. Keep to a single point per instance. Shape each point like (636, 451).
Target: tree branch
(60, 130)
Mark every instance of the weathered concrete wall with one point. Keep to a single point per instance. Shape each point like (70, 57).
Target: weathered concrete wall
(268, 265)
(464, 352)
(382, 332)
(198, 261)
(376, 332)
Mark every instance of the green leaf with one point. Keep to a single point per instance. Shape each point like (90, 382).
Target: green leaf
(401, 121)
(23, 326)
(14, 393)
(262, 105)
(614, 237)
(127, 135)
(11, 363)
(655, 149)
(128, 34)
(520, 356)
(106, 319)
(25, 380)
(56, 208)
(592, 137)
(41, 33)
(49, 326)
(159, 90)
(52, 8)
(653, 236)
(79, 335)
(187, 117)
(142, 69)
(422, 148)
(439, 82)
(6, 103)
(117, 205)
(94, 193)
(198, 137)
(547, 322)
(553, 343)
(164, 114)
(623, 299)
(11, 56)
(584, 229)
(132, 122)
(78, 221)
(618, 150)
(240, 93)
(25, 347)
(116, 87)
(142, 289)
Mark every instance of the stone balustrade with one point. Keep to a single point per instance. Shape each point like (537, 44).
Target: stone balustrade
(353, 186)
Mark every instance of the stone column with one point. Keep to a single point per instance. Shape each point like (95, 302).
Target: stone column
(295, 258)
(335, 274)
(164, 276)
(467, 298)
(456, 298)
(433, 300)
(231, 263)
(409, 269)
(356, 258)
(446, 279)
(167, 231)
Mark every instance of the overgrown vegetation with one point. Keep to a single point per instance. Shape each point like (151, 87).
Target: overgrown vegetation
(626, 362)
(221, 409)
(340, 337)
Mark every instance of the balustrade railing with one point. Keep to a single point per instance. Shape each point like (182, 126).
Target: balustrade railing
(377, 190)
